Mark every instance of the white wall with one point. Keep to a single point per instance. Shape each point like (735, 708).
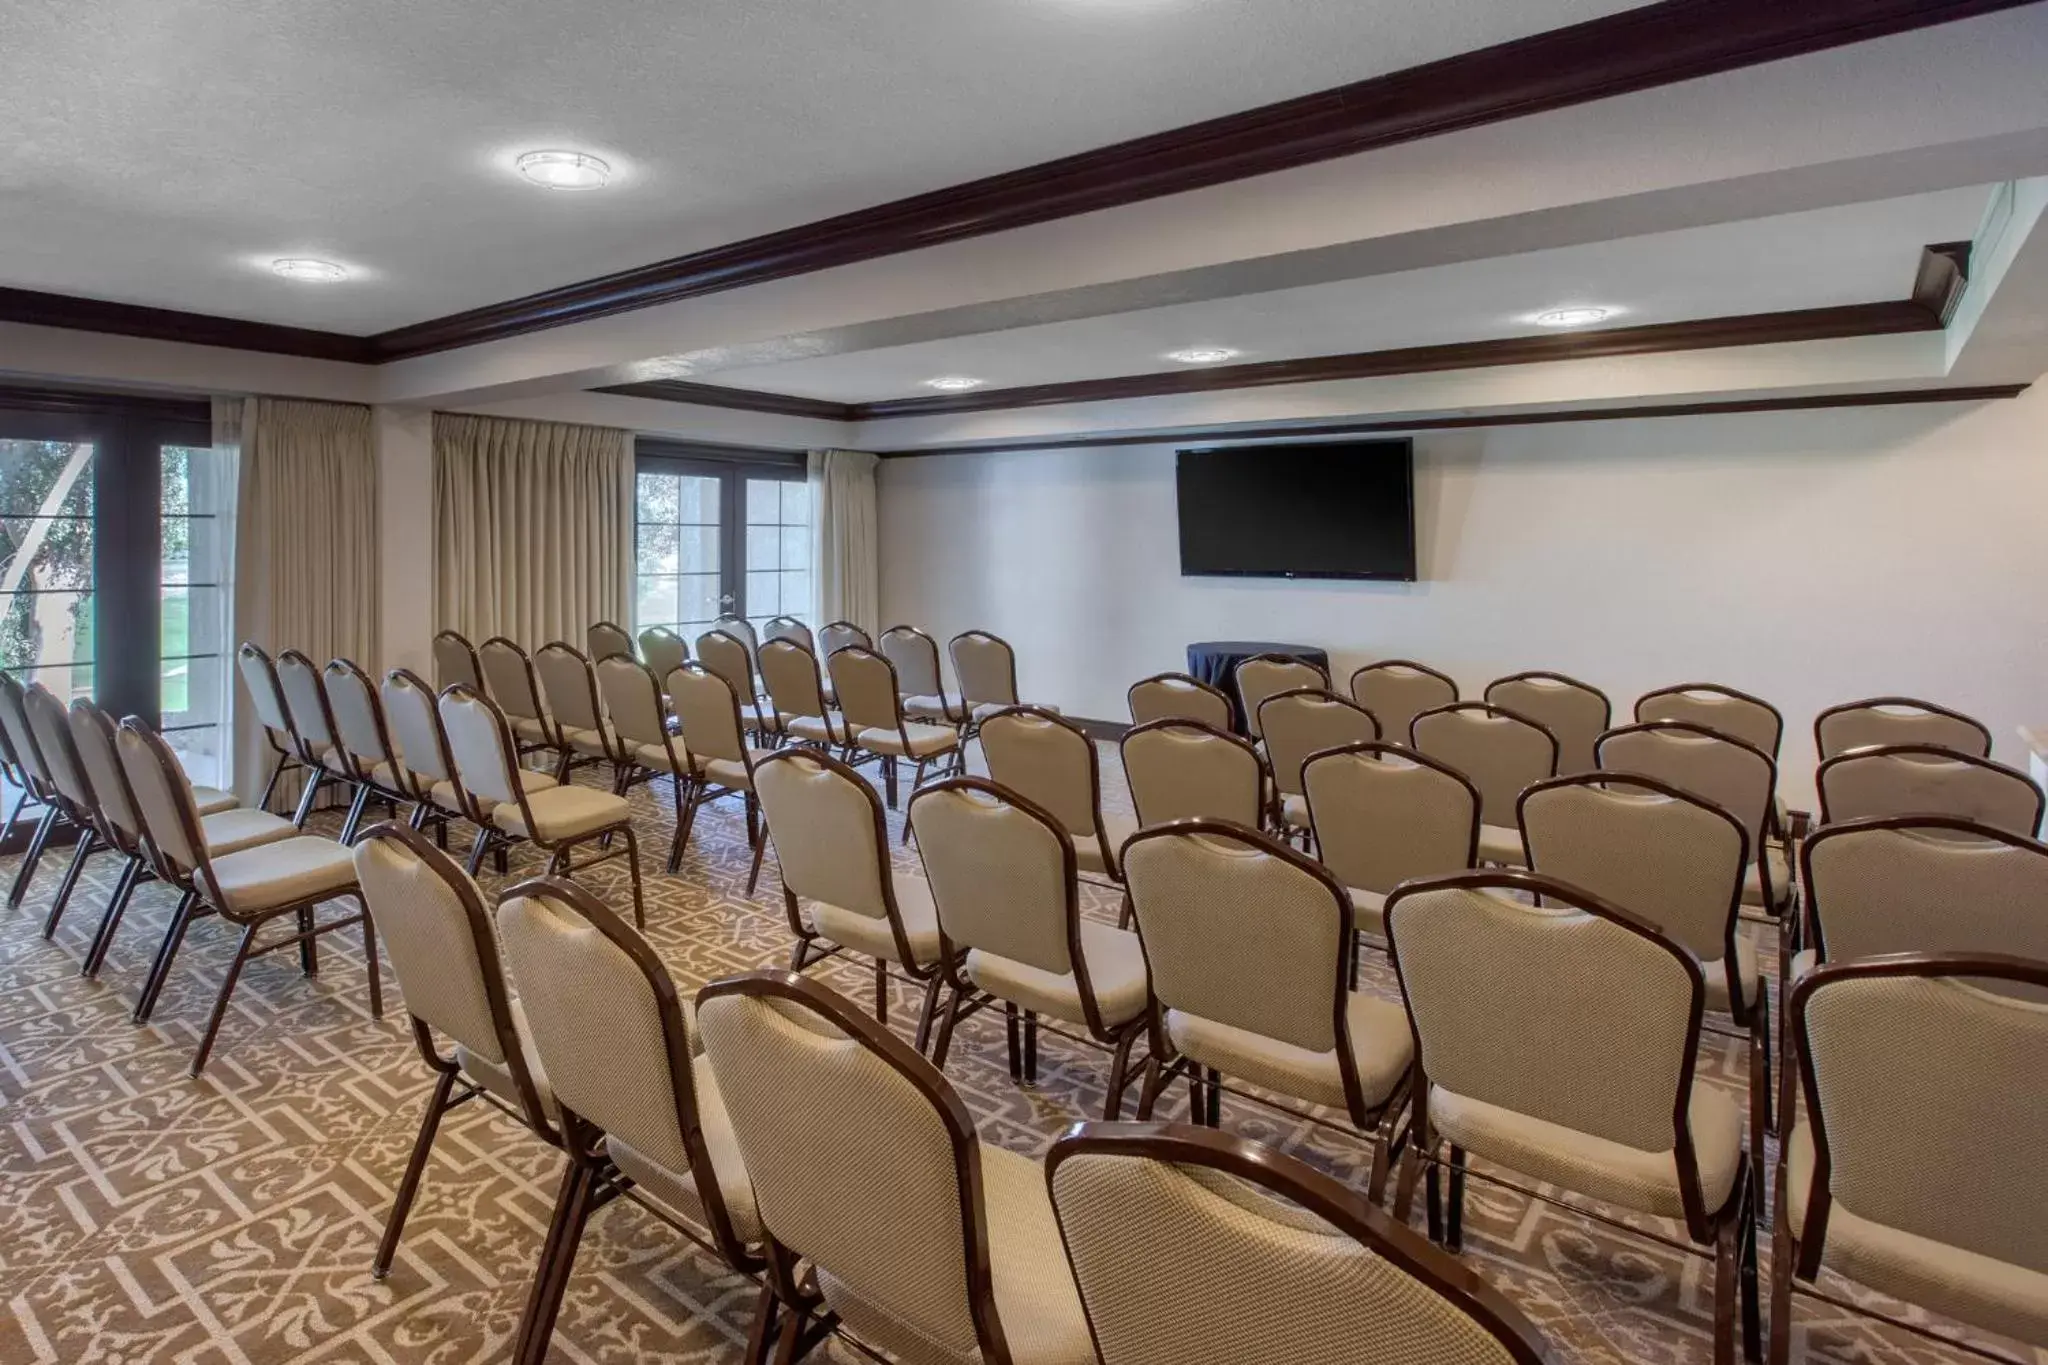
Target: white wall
(1808, 557)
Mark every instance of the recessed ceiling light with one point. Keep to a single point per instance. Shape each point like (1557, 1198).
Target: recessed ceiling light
(309, 270)
(1572, 317)
(1202, 355)
(954, 383)
(564, 170)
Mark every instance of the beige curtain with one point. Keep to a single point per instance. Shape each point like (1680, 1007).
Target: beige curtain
(305, 552)
(533, 528)
(845, 538)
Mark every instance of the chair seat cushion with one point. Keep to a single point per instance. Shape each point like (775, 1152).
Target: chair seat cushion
(1116, 971)
(1966, 1285)
(871, 935)
(231, 831)
(1381, 1043)
(596, 743)
(273, 874)
(1368, 911)
(655, 757)
(1593, 1166)
(443, 793)
(729, 772)
(496, 1077)
(528, 728)
(212, 800)
(1117, 826)
(816, 729)
(947, 707)
(1781, 881)
(678, 1189)
(391, 780)
(1716, 974)
(915, 740)
(566, 812)
(1501, 844)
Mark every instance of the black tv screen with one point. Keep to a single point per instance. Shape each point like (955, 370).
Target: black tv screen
(1331, 510)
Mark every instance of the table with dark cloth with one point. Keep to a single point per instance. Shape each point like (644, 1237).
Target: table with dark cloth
(1215, 663)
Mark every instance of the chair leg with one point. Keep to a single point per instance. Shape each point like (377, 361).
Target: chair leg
(1433, 1202)
(1783, 1257)
(929, 1010)
(947, 1022)
(1119, 1073)
(633, 871)
(314, 776)
(27, 872)
(753, 806)
(573, 1206)
(1454, 1220)
(1030, 1047)
(160, 970)
(220, 1003)
(1752, 1308)
(889, 780)
(409, 1186)
(767, 1318)
(1726, 1253)
(355, 813)
(476, 850)
(110, 918)
(760, 848)
(88, 844)
(1016, 1045)
(881, 991)
(371, 966)
(20, 802)
(309, 947)
(270, 787)
(1215, 1097)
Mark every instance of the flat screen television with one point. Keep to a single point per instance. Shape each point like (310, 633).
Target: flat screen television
(1342, 509)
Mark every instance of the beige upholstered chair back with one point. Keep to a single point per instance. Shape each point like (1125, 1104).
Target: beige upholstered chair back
(1184, 770)
(259, 675)
(607, 638)
(416, 725)
(1396, 691)
(455, 661)
(1719, 770)
(1926, 1105)
(1921, 779)
(1881, 722)
(867, 689)
(1271, 1260)
(663, 650)
(790, 671)
(1000, 872)
(432, 927)
(861, 1157)
(709, 710)
(730, 658)
(1925, 884)
(741, 629)
(1048, 762)
(1723, 710)
(1176, 696)
(570, 686)
(51, 726)
(1240, 931)
(1669, 857)
(1575, 713)
(10, 758)
(839, 635)
(306, 700)
(358, 718)
(508, 675)
(830, 837)
(481, 743)
(915, 656)
(162, 795)
(789, 628)
(1560, 1012)
(14, 722)
(986, 667)
(1384, 813)
(1307, 721)
(1268, 675)
(632, 698)
(1500, 751)
(93, 734)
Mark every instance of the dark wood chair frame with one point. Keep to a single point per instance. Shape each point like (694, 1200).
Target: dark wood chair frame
(770, 735)
(288, 751)
(841, 739)
(680, 773)
(317, 772)
(425, 811)
(1276, 810)
(966, 999)
(658, 632)
(1205, 1084)
(775, 624)
(137, 869)
(1719, 690)
(476, 666)
(624, 634)
(1305, 1187)
(28, 787)
(958, 716)
(400, 791)
(969, 725)
(1112, 858)
(1871, 703)
(1565, 679)
(1249, 711)
(956, 756)
(547, 742)
(569, 758)
(861, 637)
(1413, 667)
(1206, 731)
(1933, 751)
(702, 790)
(1184, 680)
(1730, 1231)
(81, 816)
(1488, 708)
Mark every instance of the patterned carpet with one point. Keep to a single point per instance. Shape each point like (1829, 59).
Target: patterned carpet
(231, 1220)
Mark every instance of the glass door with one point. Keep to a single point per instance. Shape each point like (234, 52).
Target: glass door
(46, 584)
(680, 548)
(719, 538)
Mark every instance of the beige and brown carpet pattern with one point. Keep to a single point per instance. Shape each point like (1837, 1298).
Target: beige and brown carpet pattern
(231, 1220)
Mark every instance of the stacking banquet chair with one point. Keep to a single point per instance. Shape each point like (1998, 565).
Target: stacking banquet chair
(607, 638)
(662, 650)
(1916, 1172)
(1500, 752)
(1011, 930)
(456, 661)
(438, 933)
(1383, 813)
(922, 1240)
(368, 752)
(790, 672)
(1250, 947)
(1724, 772)
(60, 810)
(1297, 724)
(1274, 1262)
(915, 657)
(1396, 691)
(117, 821)
(266, 697)
(871, 706)
(1561, 1041)
(510, 683)
(250, 888)
(788, 628)
(13, 765)
(986, 668)
(1575, 713)
(1049, 761)
(507, 806)
(312, 722)
(839, 635)
(731, 658)
(633, 699)
(1723, 710)
(1185, 770)
(1268, 675)
(838, 884)
(640, 1112)
(576, 721)
(415, 719)
(1925, 779)
(741, 629)
(1177, 696)
(721, 761)
(1885, 721)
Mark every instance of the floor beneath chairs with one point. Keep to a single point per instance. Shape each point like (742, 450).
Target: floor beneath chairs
(148, 1217)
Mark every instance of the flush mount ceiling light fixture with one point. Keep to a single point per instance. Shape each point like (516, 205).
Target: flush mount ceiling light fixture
(557, 170)
(1579, 316)
(954, 383)
(1202, 355)
(308, 270)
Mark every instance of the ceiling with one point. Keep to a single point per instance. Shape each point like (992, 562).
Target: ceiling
(162, 152)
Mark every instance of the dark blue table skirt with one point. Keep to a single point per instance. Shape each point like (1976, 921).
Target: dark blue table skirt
(1215, 663)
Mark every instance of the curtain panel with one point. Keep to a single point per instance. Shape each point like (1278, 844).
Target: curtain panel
(533, 528)
(845, 538)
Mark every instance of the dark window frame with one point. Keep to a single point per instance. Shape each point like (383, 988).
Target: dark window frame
(732, 466)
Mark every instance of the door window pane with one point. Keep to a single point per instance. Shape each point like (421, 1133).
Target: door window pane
(46, 555)
(778, 545)
(193, 609)
(677, 546)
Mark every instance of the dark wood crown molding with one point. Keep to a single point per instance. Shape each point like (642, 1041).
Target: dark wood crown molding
(168, 324)
(104, 402)
(1944, 274)
(741, 400)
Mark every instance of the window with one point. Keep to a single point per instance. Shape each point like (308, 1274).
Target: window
(778, 550)
(193, 612)
(46, 516)
(719, 533)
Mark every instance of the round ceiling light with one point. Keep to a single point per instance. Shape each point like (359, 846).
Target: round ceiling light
(564, 170)
(306, 269)
(1572, 317)
(1202, 355)
(954, 383)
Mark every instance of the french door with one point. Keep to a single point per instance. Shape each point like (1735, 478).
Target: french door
(719, 537)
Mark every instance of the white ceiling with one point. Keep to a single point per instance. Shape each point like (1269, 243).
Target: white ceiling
(161, 151)
(1860, 253)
